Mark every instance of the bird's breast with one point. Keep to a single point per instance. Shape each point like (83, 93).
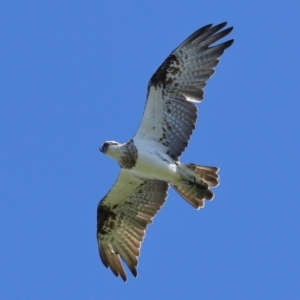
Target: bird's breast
(155, 165)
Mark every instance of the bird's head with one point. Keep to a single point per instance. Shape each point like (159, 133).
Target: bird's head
(111, 148)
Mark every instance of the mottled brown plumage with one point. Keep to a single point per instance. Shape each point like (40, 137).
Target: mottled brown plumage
(129, 155)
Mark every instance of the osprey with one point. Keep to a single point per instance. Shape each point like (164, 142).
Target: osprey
(149, 162)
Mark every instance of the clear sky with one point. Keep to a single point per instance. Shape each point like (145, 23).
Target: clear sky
(73, 74)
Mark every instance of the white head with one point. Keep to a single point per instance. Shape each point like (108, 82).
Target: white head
(112, 149)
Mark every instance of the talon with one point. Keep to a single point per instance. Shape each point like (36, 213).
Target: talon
(192, 183)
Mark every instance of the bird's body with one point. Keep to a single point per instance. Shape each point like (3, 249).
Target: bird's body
(152, 163)
(155, 165)
(150, 160)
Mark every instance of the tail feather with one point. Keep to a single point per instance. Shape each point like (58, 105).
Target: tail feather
(196, 183)
(208, 174)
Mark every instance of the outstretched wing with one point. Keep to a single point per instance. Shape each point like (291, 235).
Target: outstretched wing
(170, 116)
(122, 218)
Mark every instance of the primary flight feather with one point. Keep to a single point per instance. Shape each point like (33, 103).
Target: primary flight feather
(149, 162)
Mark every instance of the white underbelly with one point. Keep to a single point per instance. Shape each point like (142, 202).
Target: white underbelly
(155, 165)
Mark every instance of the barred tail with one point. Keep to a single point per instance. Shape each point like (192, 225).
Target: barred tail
(196, 183)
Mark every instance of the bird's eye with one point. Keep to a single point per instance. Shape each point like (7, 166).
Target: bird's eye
(104, 147)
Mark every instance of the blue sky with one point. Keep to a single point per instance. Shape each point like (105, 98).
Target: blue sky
(74, 74)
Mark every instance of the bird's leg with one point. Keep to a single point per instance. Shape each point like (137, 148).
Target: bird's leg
(193, 182)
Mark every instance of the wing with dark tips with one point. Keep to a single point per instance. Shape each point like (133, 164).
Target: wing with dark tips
(122, 218)
(170, 113)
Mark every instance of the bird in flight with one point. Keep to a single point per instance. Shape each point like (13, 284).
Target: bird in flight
(149, 162)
